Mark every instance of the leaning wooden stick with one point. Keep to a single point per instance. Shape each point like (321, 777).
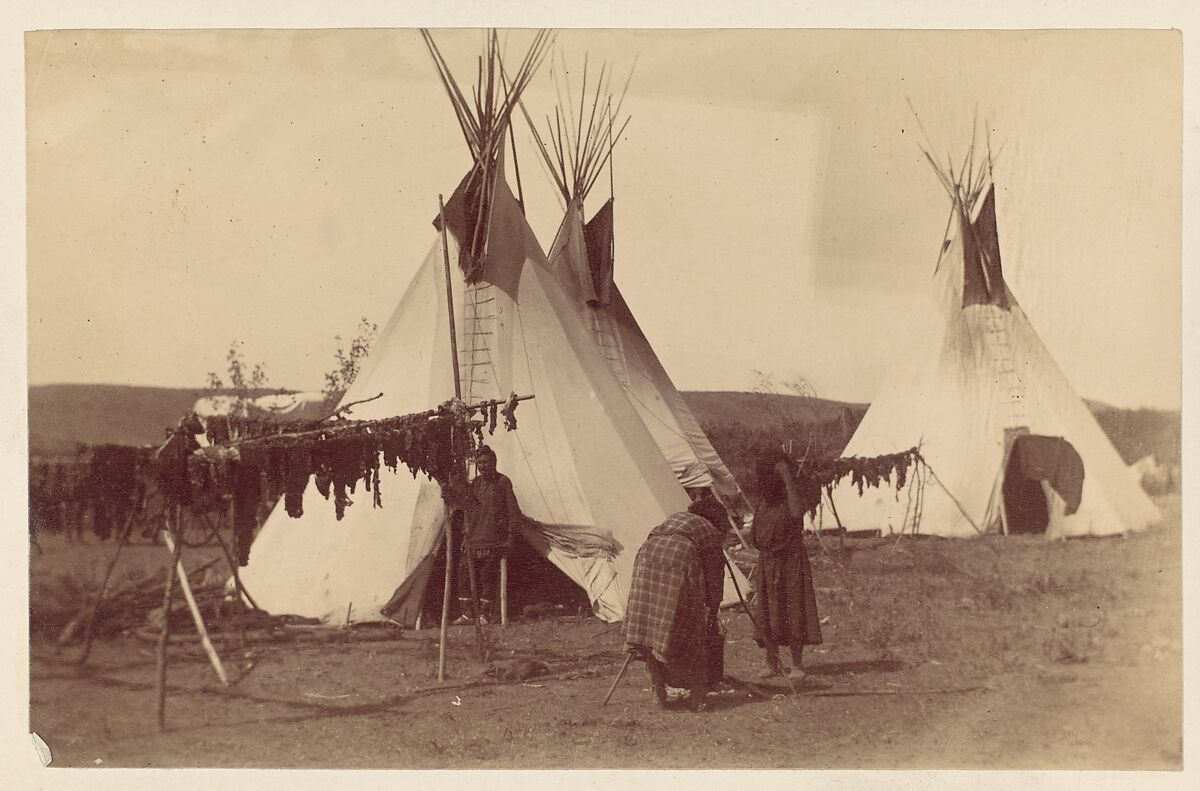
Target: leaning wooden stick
(214, 531)
(617, 680)
(738, 588)
(244, 596)
(737, 529)
(165, 635)
(837, 519)
(89, 630)
(186, 587)
(446, 588)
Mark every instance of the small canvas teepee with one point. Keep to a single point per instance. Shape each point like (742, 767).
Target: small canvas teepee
(310, 405)
(1012, 447)
(582, 260)
(582, 464)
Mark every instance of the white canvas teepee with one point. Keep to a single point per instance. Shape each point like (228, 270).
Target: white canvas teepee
(582, 464)
(1003, 431)
(582, 260)
(310, 405)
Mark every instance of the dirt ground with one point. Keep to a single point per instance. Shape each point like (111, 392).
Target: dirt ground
(994, 653)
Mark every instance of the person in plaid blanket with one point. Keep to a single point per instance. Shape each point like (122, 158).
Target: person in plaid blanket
(671, 617)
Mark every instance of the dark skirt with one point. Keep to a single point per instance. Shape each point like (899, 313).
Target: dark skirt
(686, 667)
(701, 668)
(785, 605)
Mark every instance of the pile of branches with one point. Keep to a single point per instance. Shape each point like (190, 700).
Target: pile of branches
(128, 606)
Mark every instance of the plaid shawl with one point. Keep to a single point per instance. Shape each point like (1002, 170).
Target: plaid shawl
(677, 580)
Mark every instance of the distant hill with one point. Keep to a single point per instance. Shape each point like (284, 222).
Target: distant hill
(1138, 433)
(62, 415)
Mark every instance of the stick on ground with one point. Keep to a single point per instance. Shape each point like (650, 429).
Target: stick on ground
(617, 680)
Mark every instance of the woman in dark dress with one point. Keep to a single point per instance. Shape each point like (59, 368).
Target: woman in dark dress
(785, 604)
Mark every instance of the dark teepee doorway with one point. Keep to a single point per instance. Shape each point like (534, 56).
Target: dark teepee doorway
(535, 586)
(1035, 460)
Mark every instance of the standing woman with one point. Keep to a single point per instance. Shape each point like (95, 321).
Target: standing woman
(785, 604)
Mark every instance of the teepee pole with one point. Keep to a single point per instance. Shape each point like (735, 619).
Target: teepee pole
(455, 448)
(447, 585)
(449, 300)
(512, 139)
(612, 190)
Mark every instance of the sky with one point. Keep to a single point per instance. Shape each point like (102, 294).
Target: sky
(774, 211)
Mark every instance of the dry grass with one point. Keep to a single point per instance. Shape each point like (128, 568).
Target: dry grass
(1006, 602)
(990, 653)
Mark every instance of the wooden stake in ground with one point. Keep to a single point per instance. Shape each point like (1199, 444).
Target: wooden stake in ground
(504, 591)
(475, 604)
(186, 587)
(165, 635)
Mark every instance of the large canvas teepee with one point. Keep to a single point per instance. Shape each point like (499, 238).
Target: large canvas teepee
(582, 463)
(1012, 447)
(582, 260)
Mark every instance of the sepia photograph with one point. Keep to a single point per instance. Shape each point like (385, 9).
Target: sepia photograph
(589, 398)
